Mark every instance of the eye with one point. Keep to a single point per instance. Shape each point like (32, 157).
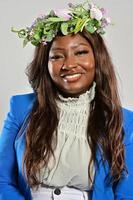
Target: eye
(82, 52)
(56, 57)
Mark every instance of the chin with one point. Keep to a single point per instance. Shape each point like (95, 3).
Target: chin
(72, 93)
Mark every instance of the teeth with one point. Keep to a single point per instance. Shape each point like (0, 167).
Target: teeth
(72, 76)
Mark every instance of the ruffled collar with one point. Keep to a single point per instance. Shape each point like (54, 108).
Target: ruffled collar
(84, 98)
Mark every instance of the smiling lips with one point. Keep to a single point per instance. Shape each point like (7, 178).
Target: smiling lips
(71, 77)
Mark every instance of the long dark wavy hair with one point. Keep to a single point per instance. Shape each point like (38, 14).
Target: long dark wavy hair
(105, 129)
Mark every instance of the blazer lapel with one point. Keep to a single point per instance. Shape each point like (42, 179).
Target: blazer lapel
(100, 190)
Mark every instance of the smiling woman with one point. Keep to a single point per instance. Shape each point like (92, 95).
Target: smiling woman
(70, 138)
(71, 64)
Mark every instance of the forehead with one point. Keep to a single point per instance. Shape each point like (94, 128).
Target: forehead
(69, 41)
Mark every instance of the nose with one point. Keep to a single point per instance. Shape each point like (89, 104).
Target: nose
(69, 63)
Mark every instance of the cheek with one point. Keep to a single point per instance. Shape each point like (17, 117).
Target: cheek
(50, 68)
(53, 70)
(89, 64)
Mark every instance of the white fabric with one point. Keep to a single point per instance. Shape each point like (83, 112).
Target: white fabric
(66, 194)
(72, 153)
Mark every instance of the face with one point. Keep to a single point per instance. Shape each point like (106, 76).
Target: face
(71, 64)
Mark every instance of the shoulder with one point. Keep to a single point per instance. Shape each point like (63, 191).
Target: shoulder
(22, 104)
(128, 125)
(24, 99)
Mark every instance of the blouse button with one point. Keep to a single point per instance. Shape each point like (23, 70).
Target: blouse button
(57, 191)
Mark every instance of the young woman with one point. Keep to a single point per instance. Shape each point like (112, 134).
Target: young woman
(70, 139)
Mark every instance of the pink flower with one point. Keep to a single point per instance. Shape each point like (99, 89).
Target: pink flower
(41, 16)
(63, 13)
(96, 13)
(104, 11)
(105, 22)
(44, 43)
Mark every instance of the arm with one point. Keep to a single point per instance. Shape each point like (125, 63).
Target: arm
(124, 189)
(8, 167)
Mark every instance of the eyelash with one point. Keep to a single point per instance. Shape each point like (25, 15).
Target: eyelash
(82, 52)
(56, 57)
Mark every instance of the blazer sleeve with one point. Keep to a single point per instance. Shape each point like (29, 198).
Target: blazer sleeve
(124, 189)
(9, 189)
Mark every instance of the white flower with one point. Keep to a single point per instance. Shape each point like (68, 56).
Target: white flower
(63, 13)
(91, 6)
(96, 13)
(108, 20)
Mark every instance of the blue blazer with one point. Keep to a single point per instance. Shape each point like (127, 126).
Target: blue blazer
(13, 185)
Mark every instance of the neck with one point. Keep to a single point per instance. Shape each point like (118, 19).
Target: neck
(74, 95)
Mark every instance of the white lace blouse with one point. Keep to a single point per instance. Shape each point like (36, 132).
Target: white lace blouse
(72, 153)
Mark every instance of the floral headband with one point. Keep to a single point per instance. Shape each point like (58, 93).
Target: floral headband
(67, 21)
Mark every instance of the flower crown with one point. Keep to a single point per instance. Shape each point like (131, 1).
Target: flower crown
(67, 21)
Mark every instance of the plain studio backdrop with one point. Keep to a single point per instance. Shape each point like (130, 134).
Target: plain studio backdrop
(14, 58)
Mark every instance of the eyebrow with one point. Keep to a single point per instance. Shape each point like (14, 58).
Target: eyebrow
(73, 47)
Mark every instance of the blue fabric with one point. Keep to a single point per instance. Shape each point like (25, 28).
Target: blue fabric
(13, 185)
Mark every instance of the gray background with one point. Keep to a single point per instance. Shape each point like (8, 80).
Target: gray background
(14, 58)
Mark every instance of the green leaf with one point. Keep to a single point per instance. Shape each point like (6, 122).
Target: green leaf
(34, 42)
(39, 26)
(78, 25)
(36, 36)
(56, 19)
(97, 24)
(14, 30)
(25, 42)
(90, 28)
(84, 23)
(52, 13)
(46, 30)
(22, 33)
(64, 28)
(80, 12)
(49, 36)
